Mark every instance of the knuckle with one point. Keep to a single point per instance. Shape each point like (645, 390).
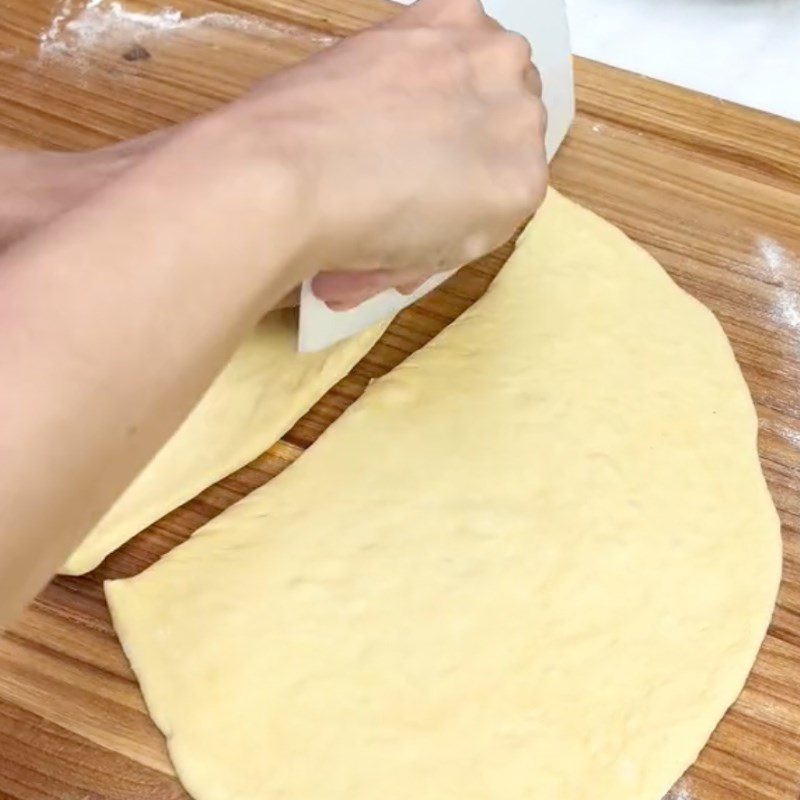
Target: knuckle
(523, 196)
(517, 47)
(476, 245)
(536, 189)
(533, 79)
(544, 119)
(524, 189)
(472, 10)
(452, 11)
(540, 117)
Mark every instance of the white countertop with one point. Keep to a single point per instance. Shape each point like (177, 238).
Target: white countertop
(746, 51)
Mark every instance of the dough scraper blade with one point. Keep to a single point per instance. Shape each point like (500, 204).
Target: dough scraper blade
(544, 23)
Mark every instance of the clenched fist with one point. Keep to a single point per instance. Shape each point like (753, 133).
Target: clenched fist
(418, 146)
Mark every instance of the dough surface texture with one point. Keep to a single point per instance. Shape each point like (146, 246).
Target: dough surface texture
(264, 390)
(534, 562)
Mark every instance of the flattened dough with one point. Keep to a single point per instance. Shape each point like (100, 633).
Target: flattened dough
(535, 562)
(264, 390)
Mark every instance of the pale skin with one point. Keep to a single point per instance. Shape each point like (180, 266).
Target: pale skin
(410, 149)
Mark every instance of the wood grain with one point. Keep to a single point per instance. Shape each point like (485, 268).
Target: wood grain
(712, 190)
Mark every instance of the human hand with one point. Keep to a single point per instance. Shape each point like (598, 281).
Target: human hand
(421, 144)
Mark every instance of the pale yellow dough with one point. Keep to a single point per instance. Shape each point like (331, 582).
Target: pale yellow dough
(262, 392)
(535, 562)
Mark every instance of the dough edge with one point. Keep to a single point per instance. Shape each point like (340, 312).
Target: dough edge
(121, 595)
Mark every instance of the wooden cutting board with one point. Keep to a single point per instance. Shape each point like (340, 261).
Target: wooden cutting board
(712, 190)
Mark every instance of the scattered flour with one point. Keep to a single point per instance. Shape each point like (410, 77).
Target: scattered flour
(783, 268)
(683, 791)
(78, 26)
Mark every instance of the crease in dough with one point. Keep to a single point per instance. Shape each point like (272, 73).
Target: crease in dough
(537, 560)
(265, 388)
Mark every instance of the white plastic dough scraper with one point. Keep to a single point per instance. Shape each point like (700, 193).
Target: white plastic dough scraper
(544, 23)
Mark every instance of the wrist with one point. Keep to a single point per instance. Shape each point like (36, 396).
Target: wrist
(292, 147)
(237, 200)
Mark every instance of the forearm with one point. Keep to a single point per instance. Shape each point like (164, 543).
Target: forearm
(35, 187)
(125, 313)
